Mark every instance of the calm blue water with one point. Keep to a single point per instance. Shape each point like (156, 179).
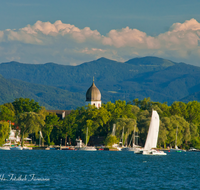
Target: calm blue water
(40, 169)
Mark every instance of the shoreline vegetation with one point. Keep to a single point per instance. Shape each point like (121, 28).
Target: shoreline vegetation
(28, 118)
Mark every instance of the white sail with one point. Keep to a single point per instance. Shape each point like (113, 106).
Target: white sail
(152, 137)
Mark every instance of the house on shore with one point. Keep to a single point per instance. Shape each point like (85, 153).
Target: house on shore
(60, 113)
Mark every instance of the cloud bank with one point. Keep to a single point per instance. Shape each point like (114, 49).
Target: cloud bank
(67, 44)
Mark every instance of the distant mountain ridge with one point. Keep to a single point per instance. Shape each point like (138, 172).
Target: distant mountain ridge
(150, 61)
(43, 73)
(160, 79)
(50, 97)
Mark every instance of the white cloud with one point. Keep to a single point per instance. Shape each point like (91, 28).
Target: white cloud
(92, 51)
(67, 44)
(59, 28)
(186, 34)
(125, 37)
(191, 24)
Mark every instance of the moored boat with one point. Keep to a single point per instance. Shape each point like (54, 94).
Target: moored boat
(193, 150)
(135, 147)
(84, 148)
(117, 146)
(139, 151)
(16, 148)
(88, 148)
(27, 148)
(176, 149)
(4, 148)
(157, 152)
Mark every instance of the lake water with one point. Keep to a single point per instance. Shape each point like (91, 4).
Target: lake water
(55, 169)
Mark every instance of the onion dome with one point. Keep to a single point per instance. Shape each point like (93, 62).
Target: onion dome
(93, 93)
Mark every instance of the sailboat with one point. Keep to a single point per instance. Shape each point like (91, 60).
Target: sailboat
(118, 146)
(152, 137)
(88, 148)
(176, 147)
(134, 146)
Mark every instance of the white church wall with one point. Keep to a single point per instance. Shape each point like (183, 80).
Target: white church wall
(96, 103)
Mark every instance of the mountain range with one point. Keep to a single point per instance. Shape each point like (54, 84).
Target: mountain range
(63, 87)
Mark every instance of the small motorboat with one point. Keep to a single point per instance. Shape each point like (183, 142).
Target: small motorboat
(26, 148)
(157, 152)
(4, 148)
(88, 148)
(193, 150)
(16, 148)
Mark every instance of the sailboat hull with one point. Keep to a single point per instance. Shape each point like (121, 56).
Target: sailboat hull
(87, 148)
(4, 148)
(154, 152)
(16, 148)
(133, 149)
(177, 150)
(159, 153)
(138, 151)
(128, 149)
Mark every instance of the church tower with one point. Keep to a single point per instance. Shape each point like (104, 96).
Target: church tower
(93, 96)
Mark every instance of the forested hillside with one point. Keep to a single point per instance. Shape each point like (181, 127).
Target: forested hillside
(160, 79)
(48, 96)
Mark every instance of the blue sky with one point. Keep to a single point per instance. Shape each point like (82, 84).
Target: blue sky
(75, 31)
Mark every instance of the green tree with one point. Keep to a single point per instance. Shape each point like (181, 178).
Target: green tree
(10, 106)
(22, 105)
(135, 110)
(165, 110)
(117, 110)
(144, 104)
(122, 110)
(92, 119)
(162, 136)
(193, 112)
(110, 140)
(143, 121)
(195, 141)
(57, 133)
(70, 126)
(127, 125)
(110, 107)
(6, 114)
(172, 124)
(29, 122)
(51, 120)
(136, 102)
(179, 108)
(4, 131)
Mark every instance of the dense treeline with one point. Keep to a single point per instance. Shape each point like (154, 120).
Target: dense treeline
(29, 117)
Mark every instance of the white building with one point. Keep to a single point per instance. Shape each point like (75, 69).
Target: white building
(93, 96)
(14, 137)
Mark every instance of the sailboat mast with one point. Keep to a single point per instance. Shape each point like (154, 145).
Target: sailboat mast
(176, 137)
(127, 134)
(123, 137)
(134, 136)
(86, 136)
